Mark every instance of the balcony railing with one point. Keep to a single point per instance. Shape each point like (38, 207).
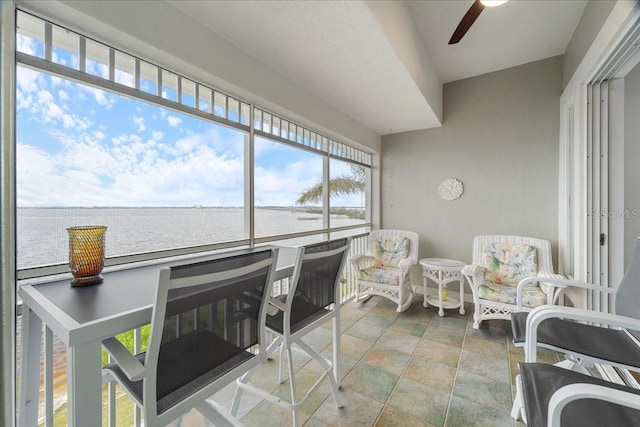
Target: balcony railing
(117, 408)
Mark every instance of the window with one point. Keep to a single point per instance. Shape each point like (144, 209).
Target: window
(347, 193)
(105, 138)
(158, 179)
(283, 176)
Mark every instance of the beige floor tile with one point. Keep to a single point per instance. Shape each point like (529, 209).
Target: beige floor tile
(438, 352)
(430, 373)
(386, 358)
(371, 381)
(358, 411)
(421, 402)
(399, 341)
(391, 417)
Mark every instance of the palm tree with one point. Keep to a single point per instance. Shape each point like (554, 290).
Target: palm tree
(341, 185)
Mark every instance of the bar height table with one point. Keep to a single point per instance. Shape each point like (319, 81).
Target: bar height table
(82, 318)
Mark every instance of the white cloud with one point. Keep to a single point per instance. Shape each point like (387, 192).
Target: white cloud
(25, 44)
(139, 122)
(174, 121)
(124, 78)
(62, 95)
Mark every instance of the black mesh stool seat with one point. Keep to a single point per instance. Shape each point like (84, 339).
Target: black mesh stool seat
(539, 382)
(207, 323)
(313, 299)
(616, 346)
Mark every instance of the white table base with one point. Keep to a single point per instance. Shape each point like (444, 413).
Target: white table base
(442, 271)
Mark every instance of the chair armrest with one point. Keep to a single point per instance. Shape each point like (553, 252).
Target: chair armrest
(359, 261)
(130, 365)
(567, 394)
(558, 281)
(539, 314)
(474, 274)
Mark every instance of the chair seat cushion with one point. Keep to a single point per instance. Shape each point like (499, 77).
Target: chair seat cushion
(186, 365)
(532, 296)
(509, 263)
(383, 275)
(303, 313)
(610, 344)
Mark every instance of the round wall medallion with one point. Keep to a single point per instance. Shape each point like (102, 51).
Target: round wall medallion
(450, 189)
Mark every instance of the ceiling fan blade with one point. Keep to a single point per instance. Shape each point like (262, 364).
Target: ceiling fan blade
(467, 21)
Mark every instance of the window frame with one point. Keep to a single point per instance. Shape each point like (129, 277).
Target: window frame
(246, 113)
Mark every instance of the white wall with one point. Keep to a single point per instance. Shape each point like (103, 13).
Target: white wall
(593, 17)
(500, 138)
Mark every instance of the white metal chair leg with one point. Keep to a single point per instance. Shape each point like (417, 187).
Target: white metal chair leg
(292, 385)
(280, 352)
(516, 409)
(217, 415)
(328, 371)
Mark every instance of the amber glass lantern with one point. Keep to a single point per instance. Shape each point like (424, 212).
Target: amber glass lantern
(86, 254)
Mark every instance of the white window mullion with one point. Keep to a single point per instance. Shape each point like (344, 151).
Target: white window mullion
(159, 80)
(595, 200)
(48, 41)
(603, 162)
(597, 194)
(326, 177)
(112, 65)
(249, 174)
(590, 208)
(136, 74)
(82, 54)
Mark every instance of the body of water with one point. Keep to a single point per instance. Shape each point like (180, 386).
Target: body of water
(42, 236)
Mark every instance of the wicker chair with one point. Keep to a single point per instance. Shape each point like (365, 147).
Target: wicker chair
(498, 264)
(385, 269)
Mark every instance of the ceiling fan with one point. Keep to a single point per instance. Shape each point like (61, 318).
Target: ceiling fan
(470, 17)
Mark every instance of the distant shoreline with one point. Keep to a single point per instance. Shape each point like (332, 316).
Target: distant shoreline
(278, 208)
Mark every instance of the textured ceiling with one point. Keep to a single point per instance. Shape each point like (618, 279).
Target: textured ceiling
(342, 53)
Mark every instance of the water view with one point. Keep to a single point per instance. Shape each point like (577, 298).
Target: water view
(42, 236)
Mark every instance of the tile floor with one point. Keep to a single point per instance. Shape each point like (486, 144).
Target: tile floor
(400, 369)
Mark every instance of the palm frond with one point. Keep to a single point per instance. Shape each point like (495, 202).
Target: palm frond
(342, 185)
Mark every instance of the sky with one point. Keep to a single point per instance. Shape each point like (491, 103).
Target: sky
(82, 146)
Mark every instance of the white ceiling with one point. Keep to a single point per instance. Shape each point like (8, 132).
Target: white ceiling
(340, 52)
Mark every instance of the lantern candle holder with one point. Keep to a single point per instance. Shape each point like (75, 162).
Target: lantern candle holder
(86, 254)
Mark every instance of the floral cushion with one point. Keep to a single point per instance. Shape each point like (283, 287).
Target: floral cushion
(383, 275)
(532, 296)
(390, 250)
(508, 263)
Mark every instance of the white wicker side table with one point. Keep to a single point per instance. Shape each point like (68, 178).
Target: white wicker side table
(442, 271)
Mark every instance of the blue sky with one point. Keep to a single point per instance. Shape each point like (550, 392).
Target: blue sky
(81, 146)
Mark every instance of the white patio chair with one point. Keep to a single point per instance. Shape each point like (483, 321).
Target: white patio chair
(207, 319)
(498, 264)
(385, 269)
(313, 299)
(557, 397)
(585, 337)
